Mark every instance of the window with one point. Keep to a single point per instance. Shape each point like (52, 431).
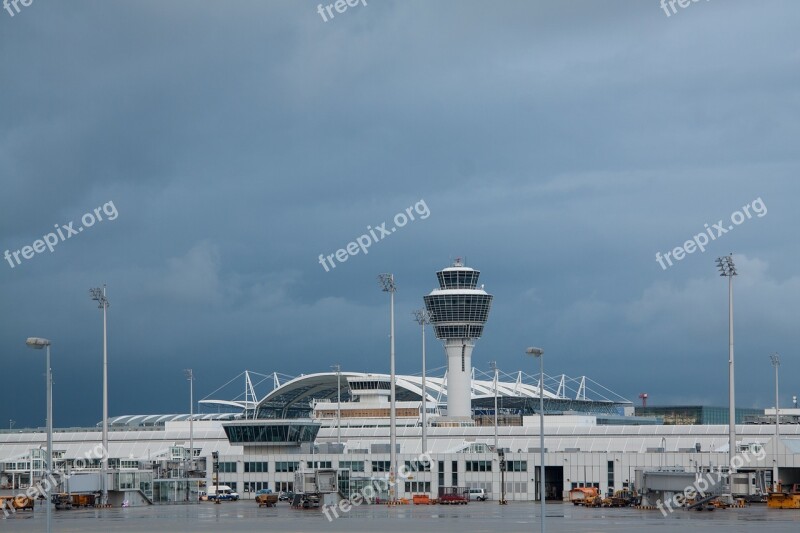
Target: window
(418, 466)
(227, 467)
(286, 466)
(516, 487)
(418, 486)
(479, 466)
(353, 466)
(611, 475)
(127, 481)
(284, 486)
(381, 466)
(319, 464)
(516, 466)
(255, 486)
(256, 466)
(454, 474)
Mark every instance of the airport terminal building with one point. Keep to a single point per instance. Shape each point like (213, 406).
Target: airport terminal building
(481, 431)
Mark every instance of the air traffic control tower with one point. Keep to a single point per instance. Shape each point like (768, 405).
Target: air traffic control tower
(458, 310)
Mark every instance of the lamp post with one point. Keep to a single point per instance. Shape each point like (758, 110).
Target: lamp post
(388, 285)
(38, 343)
(423, 317)
(215, 457)
(338, 369)
(493, 365)
(776, 362)
(99, 295)
(190, 377)
(728, 269)
(538, 352)
(497, 450)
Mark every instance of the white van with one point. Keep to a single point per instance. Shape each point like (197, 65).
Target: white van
(477, 494)
(223, 492)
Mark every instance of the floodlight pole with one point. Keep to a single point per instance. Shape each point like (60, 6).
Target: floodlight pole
(388, 285)
(423, 317)
(727, 269)
(39, 343)
(538, 352)
(776, 362)
(99, 295)
(190, 376)
(493, 364)
(338, 369)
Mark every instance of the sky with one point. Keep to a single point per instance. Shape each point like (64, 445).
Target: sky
(207, 153)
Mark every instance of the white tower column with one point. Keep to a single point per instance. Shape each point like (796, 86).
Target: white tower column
(459, 376)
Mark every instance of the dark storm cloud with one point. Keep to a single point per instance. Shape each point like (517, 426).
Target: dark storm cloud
(558, 145)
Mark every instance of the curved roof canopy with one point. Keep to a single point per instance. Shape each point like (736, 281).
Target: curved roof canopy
(301, 391)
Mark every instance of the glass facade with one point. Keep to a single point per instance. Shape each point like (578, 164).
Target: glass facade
(139, 480)
(695, 414)
(458, 278)
(459, 331)
(173, 491)
(353, 466)
(369, 384)
(266, 433)
(459, 307)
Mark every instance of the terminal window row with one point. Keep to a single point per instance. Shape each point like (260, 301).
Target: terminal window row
(478, 466)
(418, 486)
(230, 467)
(516, 466)
(227, 467)
(256, 466)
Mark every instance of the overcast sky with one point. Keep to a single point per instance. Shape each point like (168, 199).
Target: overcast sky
(557, 145)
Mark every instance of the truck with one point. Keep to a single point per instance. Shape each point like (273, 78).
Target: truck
(583, 495)
(784, 498)
(453, 495)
